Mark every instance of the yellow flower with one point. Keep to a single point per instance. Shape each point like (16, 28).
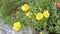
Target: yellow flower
(40, 32)
(46, 14)
(39, 16)
(25, 7)
(28, 14)
(16, 26)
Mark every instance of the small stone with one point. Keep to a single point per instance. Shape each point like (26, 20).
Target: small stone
(6, 29)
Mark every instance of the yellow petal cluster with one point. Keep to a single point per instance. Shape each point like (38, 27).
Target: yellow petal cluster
(25, 7)
(39, 16)
(46, 14)
(28, 14)
(16, 26)
(40, 32)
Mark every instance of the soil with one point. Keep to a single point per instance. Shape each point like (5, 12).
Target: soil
(12, 13)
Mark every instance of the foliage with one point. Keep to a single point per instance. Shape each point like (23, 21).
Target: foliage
(52, 23)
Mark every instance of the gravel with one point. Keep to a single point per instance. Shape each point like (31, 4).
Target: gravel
(6, 29)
